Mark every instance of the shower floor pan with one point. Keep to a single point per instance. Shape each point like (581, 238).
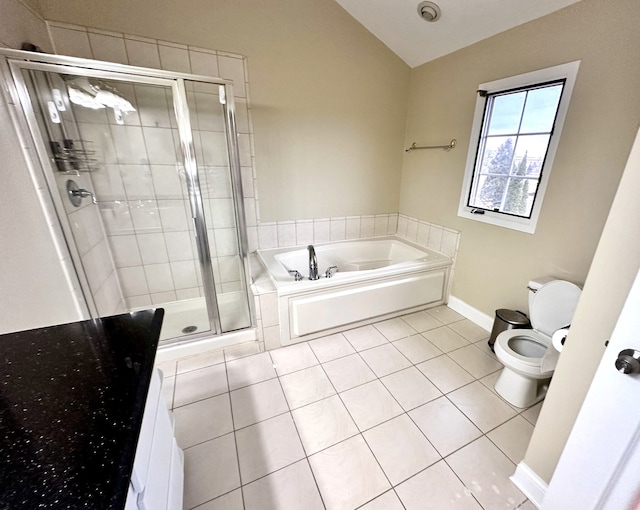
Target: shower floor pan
(181, 316)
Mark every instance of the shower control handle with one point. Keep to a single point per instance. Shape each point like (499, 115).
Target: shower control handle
(82, 193)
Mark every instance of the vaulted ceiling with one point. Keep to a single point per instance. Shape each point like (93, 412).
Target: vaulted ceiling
(462, 22)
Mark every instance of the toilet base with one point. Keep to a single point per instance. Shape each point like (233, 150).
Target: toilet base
(519, 390)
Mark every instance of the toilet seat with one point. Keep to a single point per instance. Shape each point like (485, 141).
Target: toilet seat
(524, 379)
(553, 305)
(552, 308)
(530, 365)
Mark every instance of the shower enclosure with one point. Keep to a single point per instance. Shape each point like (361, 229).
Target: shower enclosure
(142, 168)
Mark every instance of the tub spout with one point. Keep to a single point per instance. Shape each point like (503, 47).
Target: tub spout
(313, 263)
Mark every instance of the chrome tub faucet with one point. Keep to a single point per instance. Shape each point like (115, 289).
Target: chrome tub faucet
(313, 263)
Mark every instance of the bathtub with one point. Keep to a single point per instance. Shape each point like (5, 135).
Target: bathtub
(376, 279)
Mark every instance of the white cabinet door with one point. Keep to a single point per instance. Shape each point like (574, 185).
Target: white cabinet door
(176, 487)
(132, 499)
(145, 440)
(156, 491)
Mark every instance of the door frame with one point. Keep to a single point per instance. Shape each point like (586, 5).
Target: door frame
(603, 450)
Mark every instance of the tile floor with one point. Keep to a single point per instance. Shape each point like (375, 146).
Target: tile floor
(398, 414)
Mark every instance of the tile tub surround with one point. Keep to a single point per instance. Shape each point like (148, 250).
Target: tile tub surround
(304, 232)
(282, 234)
(293, 433)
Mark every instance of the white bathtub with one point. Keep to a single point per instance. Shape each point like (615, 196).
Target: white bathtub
(376, 278)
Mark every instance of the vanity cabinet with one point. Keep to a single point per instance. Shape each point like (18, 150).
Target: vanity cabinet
(83, 423)
(157, 478)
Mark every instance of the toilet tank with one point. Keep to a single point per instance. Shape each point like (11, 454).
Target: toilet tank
(535, 284)
(552, 303)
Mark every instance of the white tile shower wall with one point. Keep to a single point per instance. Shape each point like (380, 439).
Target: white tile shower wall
(89, 234)
(141, 187)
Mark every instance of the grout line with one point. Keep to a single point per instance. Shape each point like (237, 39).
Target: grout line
(233, 426)
(471, 493)
(306, 458)
(378, 424)
(207, 440)
(361, 433)
(199, 400)
(201, 505)
(497, 445)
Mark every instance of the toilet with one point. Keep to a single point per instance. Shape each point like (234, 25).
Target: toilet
(528, 356)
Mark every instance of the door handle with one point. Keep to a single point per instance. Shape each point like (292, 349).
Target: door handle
(628, 362)
(76, 194)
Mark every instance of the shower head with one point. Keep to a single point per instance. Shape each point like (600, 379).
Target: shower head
(82, 98)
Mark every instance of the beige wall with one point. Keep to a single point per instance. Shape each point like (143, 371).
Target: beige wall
(328, 99)
(33, 288)
(330, 104)
(612, 273)
(494, 263)
(21, 22)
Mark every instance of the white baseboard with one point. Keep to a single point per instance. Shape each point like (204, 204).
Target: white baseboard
(529, 483)
(473, 314)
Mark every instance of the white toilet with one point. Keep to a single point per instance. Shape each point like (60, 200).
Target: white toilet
(528, 357)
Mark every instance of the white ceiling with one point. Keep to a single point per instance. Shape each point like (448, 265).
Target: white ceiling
(463, 22)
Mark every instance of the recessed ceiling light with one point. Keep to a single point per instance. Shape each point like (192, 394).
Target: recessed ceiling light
(429, 11)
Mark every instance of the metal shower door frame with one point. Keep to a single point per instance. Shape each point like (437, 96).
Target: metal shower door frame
(17, 94)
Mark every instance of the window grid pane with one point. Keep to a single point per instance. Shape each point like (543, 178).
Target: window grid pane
(516, 131)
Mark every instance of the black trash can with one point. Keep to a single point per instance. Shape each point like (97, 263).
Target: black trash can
(507, 319)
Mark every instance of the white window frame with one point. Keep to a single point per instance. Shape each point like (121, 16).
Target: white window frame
(567, 72)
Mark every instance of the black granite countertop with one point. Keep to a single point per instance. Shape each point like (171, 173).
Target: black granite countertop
(72, 398)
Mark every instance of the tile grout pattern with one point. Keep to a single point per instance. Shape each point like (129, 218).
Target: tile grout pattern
(408, 407)
(139, 182)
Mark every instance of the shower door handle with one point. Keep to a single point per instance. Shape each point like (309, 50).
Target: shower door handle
(82, 193)
(76, 194)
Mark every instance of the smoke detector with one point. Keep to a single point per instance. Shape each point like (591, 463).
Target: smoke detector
(429, 11)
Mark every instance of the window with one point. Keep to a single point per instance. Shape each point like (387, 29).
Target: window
(515, 134)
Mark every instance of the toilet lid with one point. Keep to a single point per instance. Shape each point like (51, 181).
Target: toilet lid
(553, 305)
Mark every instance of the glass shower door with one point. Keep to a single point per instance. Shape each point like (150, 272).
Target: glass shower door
(143, 240)
(211, 112)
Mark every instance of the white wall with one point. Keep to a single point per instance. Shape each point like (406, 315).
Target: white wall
(33, 289)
